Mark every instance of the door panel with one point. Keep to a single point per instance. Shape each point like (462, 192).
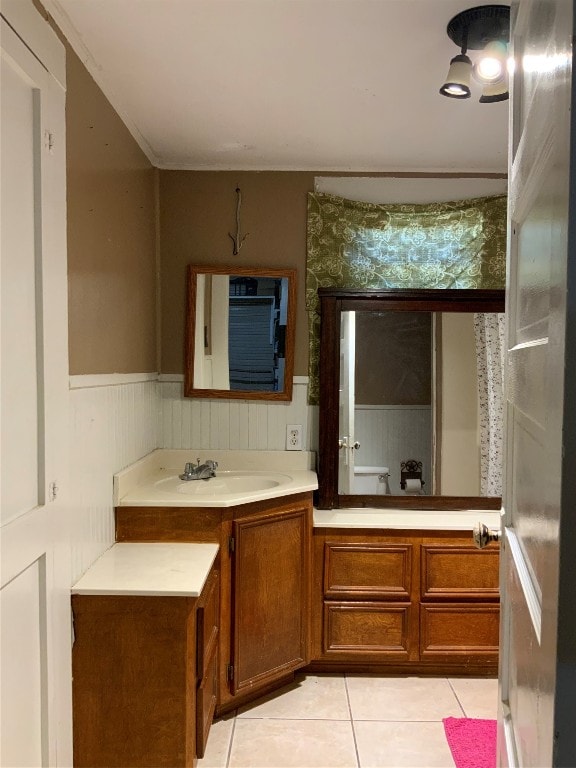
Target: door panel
(20, 375)
(346, 409)
(35, 653)
(537, 400)
(530, 521)
(23, 610)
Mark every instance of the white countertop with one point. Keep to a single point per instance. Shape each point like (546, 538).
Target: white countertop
(153, 481)
(410, 519)
(152, 493)
(153, 570)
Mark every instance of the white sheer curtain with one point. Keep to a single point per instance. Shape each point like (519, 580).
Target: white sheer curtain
(489, 333)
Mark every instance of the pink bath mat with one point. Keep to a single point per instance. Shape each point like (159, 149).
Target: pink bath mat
(472, 741)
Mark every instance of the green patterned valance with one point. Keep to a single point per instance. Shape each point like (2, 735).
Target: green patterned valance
(460, 244)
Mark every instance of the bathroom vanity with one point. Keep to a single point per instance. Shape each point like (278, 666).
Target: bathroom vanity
(264, 533)
(265, 568)
(145, 655)
(291, 587)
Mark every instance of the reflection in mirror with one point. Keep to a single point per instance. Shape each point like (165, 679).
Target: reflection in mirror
(240, 331)
(411, 398)
(414, 383)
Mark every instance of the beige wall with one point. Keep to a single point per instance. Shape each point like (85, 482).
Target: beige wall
(198, 210)
(111, 236)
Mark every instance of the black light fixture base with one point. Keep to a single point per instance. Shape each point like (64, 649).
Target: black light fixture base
(476, 27)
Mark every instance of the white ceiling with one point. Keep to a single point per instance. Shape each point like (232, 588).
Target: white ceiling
(349, 85)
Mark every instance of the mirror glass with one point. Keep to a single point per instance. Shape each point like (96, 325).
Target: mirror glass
(240, 333)
(411, 398)
(409, 382)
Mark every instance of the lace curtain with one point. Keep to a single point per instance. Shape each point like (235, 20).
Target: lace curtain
(350, 244)
(489, 334)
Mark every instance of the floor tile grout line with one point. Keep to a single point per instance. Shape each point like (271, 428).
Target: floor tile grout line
(345, 720)
(457, 697)
(229, 755)
(303, 719)
(351, 720)
(398, 722)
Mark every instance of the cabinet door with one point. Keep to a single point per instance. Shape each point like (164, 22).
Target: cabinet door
(449, 631)
(271, 577)
(370, 631)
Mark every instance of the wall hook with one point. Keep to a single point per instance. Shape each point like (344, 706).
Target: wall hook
(238, 240)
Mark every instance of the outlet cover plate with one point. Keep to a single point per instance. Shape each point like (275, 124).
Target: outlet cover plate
(293, 437)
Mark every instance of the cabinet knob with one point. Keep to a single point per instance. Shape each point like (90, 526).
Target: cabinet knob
(483, 535)
(343, 442)
(356, 445)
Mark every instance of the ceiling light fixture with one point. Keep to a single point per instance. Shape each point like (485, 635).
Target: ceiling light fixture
(485, 28)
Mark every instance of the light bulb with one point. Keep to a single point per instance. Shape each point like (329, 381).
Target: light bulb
(489, 69)
(491, 65)
(455, 90)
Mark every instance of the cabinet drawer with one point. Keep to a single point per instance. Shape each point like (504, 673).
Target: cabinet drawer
(459, 572)
(367, 628)
(207, 623)
(373, 571)
(206, 698)
(452, 630)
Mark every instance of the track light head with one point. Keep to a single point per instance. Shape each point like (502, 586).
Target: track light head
(457, 84)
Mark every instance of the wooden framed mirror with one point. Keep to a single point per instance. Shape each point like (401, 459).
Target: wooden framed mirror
(415, 344)
(240, 333)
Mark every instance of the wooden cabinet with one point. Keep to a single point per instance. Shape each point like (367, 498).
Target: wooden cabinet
(404, 601)
(140, 662)
(367, 609)
(265, 594)
(271, 583)
(459, 611)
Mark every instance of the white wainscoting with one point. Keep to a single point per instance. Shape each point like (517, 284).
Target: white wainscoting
(117, 419)
(391, 434)
(233, 424)
(114, 421)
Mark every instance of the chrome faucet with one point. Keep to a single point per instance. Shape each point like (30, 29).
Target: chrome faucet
(199, 471)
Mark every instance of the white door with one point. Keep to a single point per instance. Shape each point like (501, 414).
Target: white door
(537, 717)
(35, 574)
(347, 397)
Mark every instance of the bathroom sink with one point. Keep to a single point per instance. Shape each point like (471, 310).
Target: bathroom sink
(225, 483)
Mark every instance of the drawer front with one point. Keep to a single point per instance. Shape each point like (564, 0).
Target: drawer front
(378, 629)
(459, 630)
(207, 620)
(206, 697)
(459, 572)
(367, 571)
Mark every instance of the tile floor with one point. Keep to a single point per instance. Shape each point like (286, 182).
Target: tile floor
(349, 720)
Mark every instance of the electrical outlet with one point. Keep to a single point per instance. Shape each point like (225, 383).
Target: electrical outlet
(294, 437)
